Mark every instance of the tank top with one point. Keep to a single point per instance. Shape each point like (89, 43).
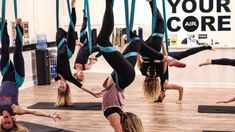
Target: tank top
(8, 96)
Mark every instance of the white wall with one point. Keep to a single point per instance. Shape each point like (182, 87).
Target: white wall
(41, 16)
(193, 76)
(207, 76)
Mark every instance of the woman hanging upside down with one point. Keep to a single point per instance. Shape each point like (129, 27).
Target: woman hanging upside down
(81, 62)
(156, 72)
(123, 74)
(66, 43)
(13, 77)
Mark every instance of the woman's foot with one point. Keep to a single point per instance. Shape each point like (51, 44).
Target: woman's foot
(176, 63)
(93, 60)
(73, 3)
(18, 21)
(208, 46)
(208, 62)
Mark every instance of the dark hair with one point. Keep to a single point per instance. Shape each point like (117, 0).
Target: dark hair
(16, 128)
(8, 130)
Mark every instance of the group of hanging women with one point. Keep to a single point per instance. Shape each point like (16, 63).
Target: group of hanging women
(152, 63)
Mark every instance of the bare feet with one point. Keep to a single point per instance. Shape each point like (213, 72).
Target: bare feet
(176, 63)
(73, 3)
(93, 60)
(209, 46)
(208, 62)
(18, 21)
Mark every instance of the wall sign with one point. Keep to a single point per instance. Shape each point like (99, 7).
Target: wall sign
(207, 21)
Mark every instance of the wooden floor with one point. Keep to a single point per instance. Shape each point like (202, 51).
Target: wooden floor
(156, 117)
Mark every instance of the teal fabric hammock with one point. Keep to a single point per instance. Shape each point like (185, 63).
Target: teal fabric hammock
(57, 24)
(19, 79)
(154, 22)
(57, 14)
(129, 21)
(4, 18)
(87, 12)
(165, 24)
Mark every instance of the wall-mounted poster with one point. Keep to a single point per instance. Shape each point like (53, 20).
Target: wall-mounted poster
(26, 32)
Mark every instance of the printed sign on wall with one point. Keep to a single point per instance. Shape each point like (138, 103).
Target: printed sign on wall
(212, 17)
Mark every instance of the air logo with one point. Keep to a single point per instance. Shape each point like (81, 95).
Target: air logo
(206, 21)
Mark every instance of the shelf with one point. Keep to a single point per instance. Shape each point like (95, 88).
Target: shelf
(29, 47)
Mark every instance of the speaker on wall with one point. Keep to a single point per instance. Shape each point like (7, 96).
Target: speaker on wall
(43, 66)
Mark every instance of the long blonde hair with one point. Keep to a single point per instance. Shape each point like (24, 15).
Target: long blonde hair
(131, 123)
(64, 97)
(16, 128)
(152, 88)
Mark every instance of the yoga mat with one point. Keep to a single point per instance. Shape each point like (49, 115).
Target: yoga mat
(33, 127)
(215, 131)
(216, 109)
(76, 106)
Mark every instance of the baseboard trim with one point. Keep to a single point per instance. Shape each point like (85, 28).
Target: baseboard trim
(30, 81)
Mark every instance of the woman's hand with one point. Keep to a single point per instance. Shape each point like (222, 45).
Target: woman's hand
(98, 95)
(218, 102)
(179, 102)
(54, 116)
(162, 95)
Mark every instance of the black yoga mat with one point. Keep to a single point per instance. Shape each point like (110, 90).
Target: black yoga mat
(216, 109)
(215, 131)
(76, 106)
(33, 127)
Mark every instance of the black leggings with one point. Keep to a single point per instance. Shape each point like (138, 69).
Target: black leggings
(83, 32)
(84, 53)
(123, 64)
(183, 54)
(71, 36)
(223, 61)
(155, 41)
(12, 72)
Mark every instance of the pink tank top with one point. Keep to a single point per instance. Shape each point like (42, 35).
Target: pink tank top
(112, 97)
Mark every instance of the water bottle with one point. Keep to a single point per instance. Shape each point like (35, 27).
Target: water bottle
(53, 71)
(52, 58)
(41, 41)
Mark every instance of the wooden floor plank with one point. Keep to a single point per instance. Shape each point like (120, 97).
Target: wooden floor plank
(156, 117)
